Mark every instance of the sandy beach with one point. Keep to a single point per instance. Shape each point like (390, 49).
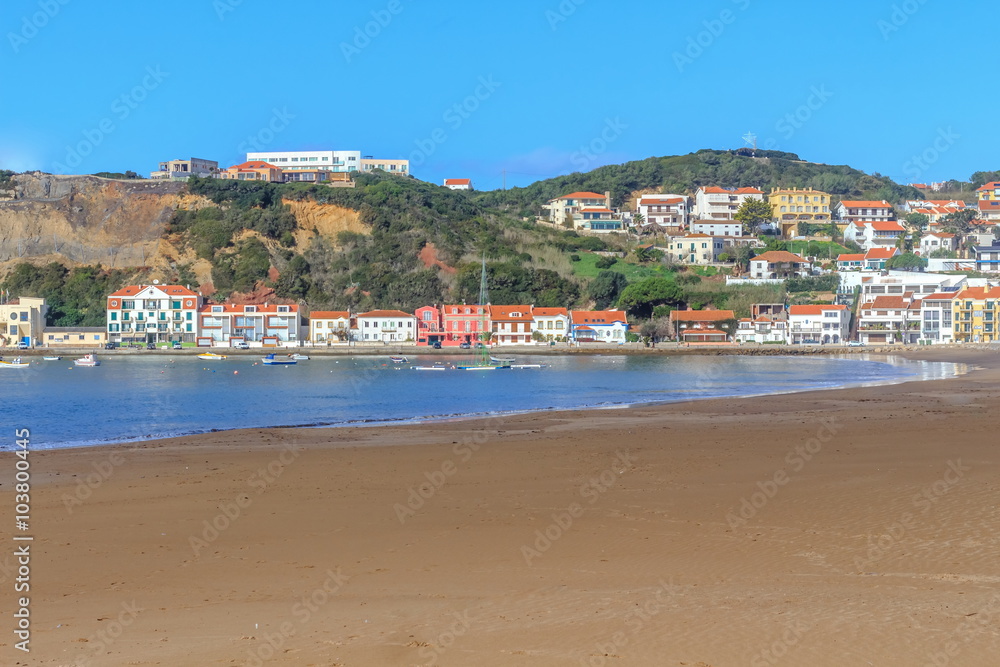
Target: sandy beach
(842, 527)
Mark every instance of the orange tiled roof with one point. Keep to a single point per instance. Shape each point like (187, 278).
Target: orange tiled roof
(172, 290)
(866, 204)
(385, 313)
(850, 258)
(598, 316)
(241, 307)
(579, 195)
(775, 256)
(814, 310)
(505, 313)
(701, 315)
(458, 181)
(549, 312)
(330, 314)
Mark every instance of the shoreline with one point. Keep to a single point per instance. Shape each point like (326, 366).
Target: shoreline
(455, 418)
(832, 527)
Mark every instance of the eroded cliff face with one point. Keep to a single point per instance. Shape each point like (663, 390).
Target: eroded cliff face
(121, 224)
(85, 219)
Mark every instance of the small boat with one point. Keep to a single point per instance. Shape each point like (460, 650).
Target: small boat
(527, 366)
(430, 368)
(399, 360)
(17, 363)
(498, 367)
(88, 361)
(52, 358)
(298, 357)
(271, 360)
(210, 356)
(502, 360)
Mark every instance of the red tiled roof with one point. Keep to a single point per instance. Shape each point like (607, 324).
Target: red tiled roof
(938, 296)
(579, 195)
(886, 302)
(653, 200)
(775, 256)
(989, 186)
(885, 226)
(505, 313)
(598, 316)
(458, 181)
(701, 315)
(329, 314)
(881, 253)
(595, 210)
(172, 290)
(850, 258)
(985, 204)
(736, 191)
(254, 164)
(814, 310)
(549, 312)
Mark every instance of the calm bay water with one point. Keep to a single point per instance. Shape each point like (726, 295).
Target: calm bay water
(152, 396)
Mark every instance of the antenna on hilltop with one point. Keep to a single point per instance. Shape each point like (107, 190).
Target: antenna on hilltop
(750, 139)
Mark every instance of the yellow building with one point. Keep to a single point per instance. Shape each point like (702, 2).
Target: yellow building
(22, 320)
(975, 313)
(792, 206)
(94, 337)
(989, 192)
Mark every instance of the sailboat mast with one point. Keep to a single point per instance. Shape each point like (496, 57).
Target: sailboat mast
(483, 352)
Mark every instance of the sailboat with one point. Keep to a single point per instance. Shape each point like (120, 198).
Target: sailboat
(482, 360)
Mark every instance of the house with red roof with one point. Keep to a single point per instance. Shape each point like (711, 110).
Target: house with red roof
(465, 323)
(936, 318)
(715, 203)
(703, 326)
(976, 314)
(664, 210)
(889, 319)
(152, 314)
(598, 326)
(253, 170)
(458, 183)
(823, 324)
(850, 261)
(329, 326)
(864, 211)
(778, 265)
(385, 326)
(550, 324)
(270, 324)
(989, 192)
(511, 324)
(874, 234)
(935, 241)
(430, 325)
(768, 323)
(563, 208)
(989, 209)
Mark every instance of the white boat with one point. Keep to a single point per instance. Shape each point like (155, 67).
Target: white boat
(52, 358)
(211, 356)
(298, 357)
(399, 360)
(17, 363)
(89, 361)
(501, 360)
(430, 368)
(271, 360)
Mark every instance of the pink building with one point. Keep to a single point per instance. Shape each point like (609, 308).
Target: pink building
(430, 326)
(464, 323)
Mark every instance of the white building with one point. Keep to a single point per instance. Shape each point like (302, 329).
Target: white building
(268, 324)
(387, 326)
(937, 241)
(329, 326)
(152, 313)
(762, 329)
(779, 264)
(695, 249)
(561, 208)
(819, 324)
(936, 319)
(864, 211)
(397, 167)
(664, 210)
(890, 319)
(458, 183)
(870, 235)
(339, 161)
(717, 227)
(551, 323)
(712, 203)
(599, 326)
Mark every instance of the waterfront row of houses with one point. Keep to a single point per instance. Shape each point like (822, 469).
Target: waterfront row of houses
(163, 313)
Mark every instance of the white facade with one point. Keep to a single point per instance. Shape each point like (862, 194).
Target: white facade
(387, 326)
(890, 319)
(665, 210)
(717, 228)
(830, 324)
(226, 323)
(152, 313)
(936, 241)
(186, 168)
(936, 318)
(458, 183)
(713, 203)
(342, 161)
(329, 326)
(551, 323)
(870, 235)
(762, 330)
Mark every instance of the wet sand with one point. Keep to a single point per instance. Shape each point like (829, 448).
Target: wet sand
(843, 527)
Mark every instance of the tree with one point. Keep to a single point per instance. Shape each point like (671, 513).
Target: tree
(959, 223)
(752, 213)
(606, 288)
(605, 262)
(917, 221)
(906, 262)
(981, 178)
(639, 298)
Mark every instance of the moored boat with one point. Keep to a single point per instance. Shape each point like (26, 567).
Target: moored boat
(298, 357)
(271, 360)
(87, 361)
(211, 356)
(399, 360)
(17, 363)
(52, 358)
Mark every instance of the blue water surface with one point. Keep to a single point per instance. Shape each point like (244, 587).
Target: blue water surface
(142, 397)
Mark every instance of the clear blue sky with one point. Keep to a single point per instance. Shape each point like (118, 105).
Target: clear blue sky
(541, 88)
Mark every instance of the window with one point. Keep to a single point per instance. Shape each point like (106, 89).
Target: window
(249, 309)
(175, 305)
(427, 316)
(282, 309)
(114, 316)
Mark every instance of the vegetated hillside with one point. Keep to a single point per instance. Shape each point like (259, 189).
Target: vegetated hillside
(686, 173)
